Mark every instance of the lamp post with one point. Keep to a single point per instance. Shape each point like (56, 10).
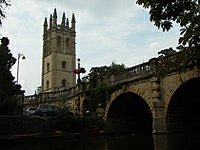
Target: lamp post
(18, 58)
(79, 79)
(79, 70)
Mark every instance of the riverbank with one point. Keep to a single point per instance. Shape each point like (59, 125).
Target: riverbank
(16, 125)
(10, 125)
(21, 138)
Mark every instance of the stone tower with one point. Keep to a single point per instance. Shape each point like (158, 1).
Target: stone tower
(59, 54)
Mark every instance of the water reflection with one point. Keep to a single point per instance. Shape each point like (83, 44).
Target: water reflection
(175, 141)
(183, 141)
(109, 142)
(129, 142)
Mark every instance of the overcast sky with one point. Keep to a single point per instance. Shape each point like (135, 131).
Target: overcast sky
(106, 31)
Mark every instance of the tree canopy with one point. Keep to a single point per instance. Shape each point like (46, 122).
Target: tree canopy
(105, 70)
(9, 90)
(96, 72)
(186, 13)
(98, 92)
(3, 5)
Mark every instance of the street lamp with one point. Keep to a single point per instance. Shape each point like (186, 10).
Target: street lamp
(79, 79)
(79, 70)
(18, 58)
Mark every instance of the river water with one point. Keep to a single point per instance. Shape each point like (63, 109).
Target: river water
(175, 141)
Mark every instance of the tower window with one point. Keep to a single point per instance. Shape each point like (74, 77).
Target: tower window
(63, 64)
(59, 43)
(48, 47)
(48, 67)
(47, 84)
(68, 44)
(63, 83)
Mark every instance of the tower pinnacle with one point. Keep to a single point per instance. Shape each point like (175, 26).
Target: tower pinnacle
(63, 20)
(67, 23)
(73, 22)
(54, 18)
(73, 19)
(45, 25)
(50, 21)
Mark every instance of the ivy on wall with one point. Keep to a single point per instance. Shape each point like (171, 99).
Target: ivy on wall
(98, 96)
(98, 92)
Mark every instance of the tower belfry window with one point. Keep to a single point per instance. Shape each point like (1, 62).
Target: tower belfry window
(48, 67)
(47, 84)
(59, 43)
(48, 51)
(68, 44)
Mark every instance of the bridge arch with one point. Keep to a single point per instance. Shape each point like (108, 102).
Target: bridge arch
(129, 112)
(183, 110)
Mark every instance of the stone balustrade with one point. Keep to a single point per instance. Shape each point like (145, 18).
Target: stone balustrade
(31, 99)
(57, 95)
(131, 74)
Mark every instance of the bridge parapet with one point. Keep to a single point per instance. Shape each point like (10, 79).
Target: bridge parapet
(161, 66)
(134, 73)
(57, 95)
(31, 99)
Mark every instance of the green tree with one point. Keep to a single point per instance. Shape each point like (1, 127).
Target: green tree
(99, 92)
(186, 13)
(3, 5)
(9, 90)
(98, 72)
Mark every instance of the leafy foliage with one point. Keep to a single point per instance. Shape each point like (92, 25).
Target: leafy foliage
(186, 13)
(166, 52)
(170, 60)
(99, 92)
(8, 89)
(98, 72)
(3, 5)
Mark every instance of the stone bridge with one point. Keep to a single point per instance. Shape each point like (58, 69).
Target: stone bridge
(161, 95)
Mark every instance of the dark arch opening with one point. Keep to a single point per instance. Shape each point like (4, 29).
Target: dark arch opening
(183, 112)
(129, 113)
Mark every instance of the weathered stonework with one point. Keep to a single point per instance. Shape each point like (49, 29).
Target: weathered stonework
(59, 54)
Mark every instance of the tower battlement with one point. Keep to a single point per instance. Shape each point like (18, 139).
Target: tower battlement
(64, 25)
